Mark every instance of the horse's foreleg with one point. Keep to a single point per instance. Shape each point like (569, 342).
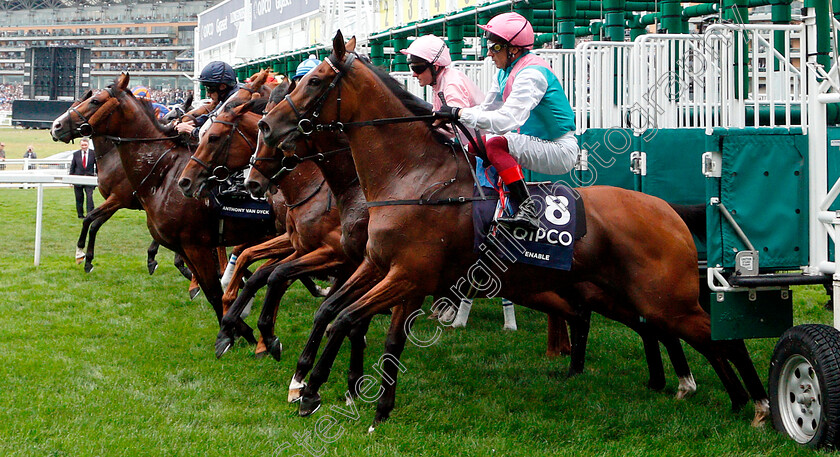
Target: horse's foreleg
(151, 253)
(359, 283)
(386, 294)
(687, 385)
(321, 260)
(558, 336)
(99, 216)
(203, 264)
(178, 261)
(279, 247)
(389, 363)
(358, 344)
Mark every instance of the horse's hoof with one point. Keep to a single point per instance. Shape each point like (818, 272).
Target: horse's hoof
(372, 428)
(309, 404)
(294, 390)
(223, 343)
(194, 292)
(762, 412)
(153, 267)
(260, 355)
(687, 387)
(574, 372)
(88, 267)
(657, 385)
(275, 348)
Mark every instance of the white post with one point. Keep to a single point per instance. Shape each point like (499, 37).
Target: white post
(39, 215)
(817, 161)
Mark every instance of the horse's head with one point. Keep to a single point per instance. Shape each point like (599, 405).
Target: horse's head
(313, 99)
(178, 111)
(225, 145)
(95, 114)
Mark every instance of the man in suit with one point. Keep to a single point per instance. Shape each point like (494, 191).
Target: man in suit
(83, 164)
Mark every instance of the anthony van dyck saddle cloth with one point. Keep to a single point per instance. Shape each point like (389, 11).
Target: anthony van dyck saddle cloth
(562, 221)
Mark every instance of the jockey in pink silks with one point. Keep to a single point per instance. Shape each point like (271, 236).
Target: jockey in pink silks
(526, 112)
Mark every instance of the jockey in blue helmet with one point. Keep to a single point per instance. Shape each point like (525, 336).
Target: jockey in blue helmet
(219, 81)
(305, 67)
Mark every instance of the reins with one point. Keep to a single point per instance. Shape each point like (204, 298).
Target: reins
(306, 127)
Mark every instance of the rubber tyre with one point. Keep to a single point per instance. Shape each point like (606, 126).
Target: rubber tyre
(807, 355)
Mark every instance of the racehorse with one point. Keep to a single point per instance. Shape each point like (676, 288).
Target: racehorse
(340, 173)
(152, 159)
(314, 243)
(636, 248)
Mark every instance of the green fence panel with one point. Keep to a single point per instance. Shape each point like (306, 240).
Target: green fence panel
(763, 184)
(675, 168)
(674, 165)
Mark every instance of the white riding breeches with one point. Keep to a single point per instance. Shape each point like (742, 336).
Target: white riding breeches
(552, 157)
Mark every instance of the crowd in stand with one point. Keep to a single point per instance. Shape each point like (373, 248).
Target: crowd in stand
(10, 92)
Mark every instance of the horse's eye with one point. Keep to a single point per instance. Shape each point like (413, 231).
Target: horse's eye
(213, 138)
(94, 102)
(315, 82)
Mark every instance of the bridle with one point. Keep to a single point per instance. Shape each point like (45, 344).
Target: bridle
(222, 172)
(107, 108)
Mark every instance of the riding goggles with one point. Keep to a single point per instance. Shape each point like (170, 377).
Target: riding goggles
(419, 68)
(495, 48)
(211, 88)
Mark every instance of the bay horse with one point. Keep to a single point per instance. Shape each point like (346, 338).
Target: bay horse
(316, 243)
(636, 248)
(118, 194)
(340, 172)
(152, 158)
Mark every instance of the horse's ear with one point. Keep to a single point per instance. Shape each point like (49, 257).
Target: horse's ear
(188, 103)
(338, 46)
(351, 45)
(87, 94)
(243, 108)
(292, 86)
(122, 81)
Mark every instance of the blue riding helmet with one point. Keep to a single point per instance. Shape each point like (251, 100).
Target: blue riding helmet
(306, 66)
(218, 72)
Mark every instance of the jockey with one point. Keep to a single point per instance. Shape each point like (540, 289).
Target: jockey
(305, 67)
(429, 59)
(142, 93)
(219, 80)
(526, 111)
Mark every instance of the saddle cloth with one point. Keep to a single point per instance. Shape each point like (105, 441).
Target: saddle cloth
(562, 221)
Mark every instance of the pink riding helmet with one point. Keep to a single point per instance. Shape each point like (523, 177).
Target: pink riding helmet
(514, 28)
(431, 49)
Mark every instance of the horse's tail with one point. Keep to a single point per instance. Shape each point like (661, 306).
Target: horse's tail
(694, 217)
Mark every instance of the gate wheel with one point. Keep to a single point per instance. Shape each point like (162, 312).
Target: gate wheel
(805, 385)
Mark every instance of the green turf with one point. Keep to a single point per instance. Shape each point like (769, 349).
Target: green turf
(17, 139)
(120, 363)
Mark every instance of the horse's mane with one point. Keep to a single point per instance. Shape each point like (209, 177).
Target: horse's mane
(278, 93)
(257, 105)
(416, 105)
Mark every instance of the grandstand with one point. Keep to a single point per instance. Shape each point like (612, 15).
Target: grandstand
(152, 39)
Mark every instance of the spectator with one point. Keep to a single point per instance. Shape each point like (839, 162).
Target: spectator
(2, 156)
(30, 154)
(83, 164)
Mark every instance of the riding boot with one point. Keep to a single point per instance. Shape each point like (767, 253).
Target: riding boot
(526, 217)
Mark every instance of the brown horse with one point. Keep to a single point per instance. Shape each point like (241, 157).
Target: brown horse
(153, 159)
(313, 240)
(340, 172)
(118, 194)
(636, 248)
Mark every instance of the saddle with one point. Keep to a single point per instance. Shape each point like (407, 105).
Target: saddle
(233, 200)
(562, 222)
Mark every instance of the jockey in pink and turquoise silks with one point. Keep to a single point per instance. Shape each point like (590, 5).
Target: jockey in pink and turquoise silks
(526, 112)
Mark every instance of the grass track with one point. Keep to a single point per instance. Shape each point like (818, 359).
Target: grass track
(120, 363)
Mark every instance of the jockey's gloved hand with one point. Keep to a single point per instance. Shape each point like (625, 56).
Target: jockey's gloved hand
(448, 113)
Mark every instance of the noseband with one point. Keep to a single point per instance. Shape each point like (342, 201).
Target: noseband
(222, 172)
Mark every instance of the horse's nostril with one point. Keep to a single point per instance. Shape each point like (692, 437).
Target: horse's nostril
(264, 128)
(184, 183)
